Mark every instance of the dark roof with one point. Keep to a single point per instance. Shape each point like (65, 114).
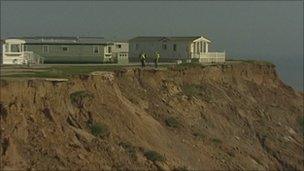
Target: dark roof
(159, 38)
(64, 40)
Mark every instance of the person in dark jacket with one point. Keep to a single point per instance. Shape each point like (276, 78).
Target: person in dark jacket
(143, 59)
(157, 56)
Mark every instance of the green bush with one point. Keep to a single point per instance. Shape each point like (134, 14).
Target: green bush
(3, 110)
(154, 156)
(199, 135)
(172, 122)
(129, 148)
(301, 121)
(77, 98)
(192, 89)
(3, 83)
(216, 141)
(181, 168)
(100, 130)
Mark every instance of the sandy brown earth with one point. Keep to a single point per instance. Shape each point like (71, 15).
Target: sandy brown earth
(237, 116)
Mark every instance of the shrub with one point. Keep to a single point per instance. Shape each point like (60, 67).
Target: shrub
(154, 156)
(199, 135)
(77, 98)
(48, 113)
(3, 83)
(172, 122)
(301, 121)
(3, 111)
(100, 130)
(216, 141)
(192, 89)
(180, 168)
(184, 66)
(129, 148)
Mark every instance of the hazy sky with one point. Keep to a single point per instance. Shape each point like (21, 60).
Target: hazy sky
(258, 30)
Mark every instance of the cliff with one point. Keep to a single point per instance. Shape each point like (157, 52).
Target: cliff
(232, 116)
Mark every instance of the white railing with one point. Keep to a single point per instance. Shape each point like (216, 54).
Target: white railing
(210, 56)
(26, 57)
(32, 58)
(13, 53)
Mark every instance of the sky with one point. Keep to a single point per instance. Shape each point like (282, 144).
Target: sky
(264, 30)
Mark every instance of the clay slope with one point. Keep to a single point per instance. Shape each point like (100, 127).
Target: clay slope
(236, 116)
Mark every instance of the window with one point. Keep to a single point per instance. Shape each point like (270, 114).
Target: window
(164, 46)
(136, 46)
(25, 48)
(15, 48)
(197, 47)
(6, 47)
(95, 49)
(205, 47)
(109, 49)
(45, 49)
(174, 47)
(65, 49)
(118, 46)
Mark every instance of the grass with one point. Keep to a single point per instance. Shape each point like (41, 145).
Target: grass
(154, 156)
(252, 61)
(183, 66)
(100, 130)
(64, 71)
(172, 122)
(77, 98)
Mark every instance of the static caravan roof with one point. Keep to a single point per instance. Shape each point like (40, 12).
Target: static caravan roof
(159, 38)
(67, 40)
(14, 41)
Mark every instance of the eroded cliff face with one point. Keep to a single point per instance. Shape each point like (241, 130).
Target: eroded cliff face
(236, 116)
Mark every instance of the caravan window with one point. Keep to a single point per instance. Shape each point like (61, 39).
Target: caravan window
(65, 49)
(109, 49)
(118, 46)
(95, 49)
(45, 49)
(6, 48)
(174, 47)
(136, 46)
(15, 48)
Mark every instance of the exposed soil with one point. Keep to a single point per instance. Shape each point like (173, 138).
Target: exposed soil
(236, 116)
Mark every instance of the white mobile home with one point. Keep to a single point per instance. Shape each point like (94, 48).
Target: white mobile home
(120, 52)
(26, 50)
(174, 48)
(13, 52)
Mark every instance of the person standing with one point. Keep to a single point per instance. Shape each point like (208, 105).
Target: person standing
(157, 56)
(143, 59)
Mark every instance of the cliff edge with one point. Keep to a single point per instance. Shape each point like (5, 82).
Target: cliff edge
(230, 116)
